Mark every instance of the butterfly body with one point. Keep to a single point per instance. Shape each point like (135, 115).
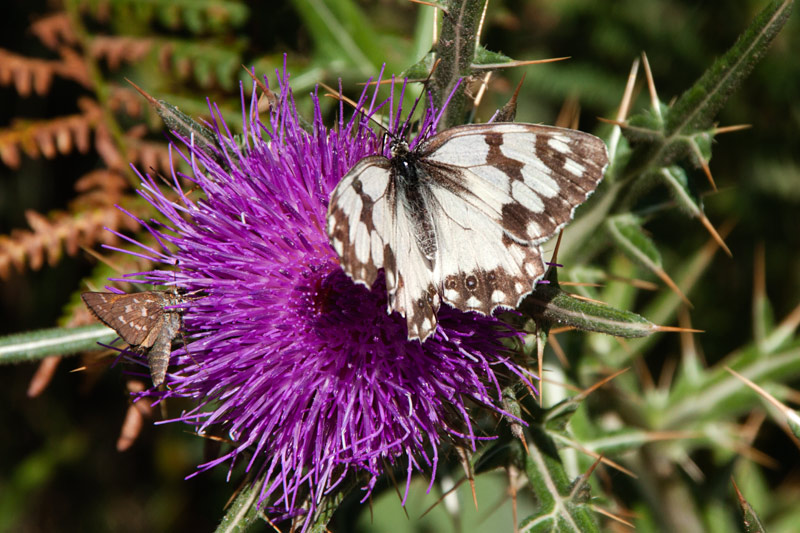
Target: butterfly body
(460, 218)
(145, 320)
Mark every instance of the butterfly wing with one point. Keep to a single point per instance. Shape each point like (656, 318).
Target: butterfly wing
(135, 317)
(499, 190)
(371, 228)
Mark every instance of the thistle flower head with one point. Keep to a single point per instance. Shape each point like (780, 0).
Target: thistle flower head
(303, 370)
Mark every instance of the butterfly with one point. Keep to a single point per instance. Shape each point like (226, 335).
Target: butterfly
(459, 218)
(145, 320)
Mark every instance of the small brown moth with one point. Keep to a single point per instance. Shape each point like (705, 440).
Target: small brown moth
(143, 320)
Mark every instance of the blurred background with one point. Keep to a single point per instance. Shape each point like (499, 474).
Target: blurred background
(62, 66)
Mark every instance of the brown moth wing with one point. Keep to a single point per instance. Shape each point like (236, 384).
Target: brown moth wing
(133, 316)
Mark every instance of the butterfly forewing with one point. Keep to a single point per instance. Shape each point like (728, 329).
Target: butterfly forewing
(460, 218)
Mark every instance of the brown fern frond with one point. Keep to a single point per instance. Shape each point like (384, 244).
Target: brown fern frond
(48, 137)
(100, 187)
(73, 67)
(34, 74)
(125, 100)
(115, 49)
(26, 73)
(60, 231)
(54, 30)
(149, 155)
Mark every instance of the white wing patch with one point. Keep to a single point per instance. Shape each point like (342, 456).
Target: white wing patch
(460, 218)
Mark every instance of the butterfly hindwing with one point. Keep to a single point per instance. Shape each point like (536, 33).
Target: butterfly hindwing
(503, 189)
(370, 227)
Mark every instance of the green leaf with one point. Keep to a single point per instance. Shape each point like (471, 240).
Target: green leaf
(697, 107)
(243, 511)
(695, 110)
(558, 416)
(550, 305)
(626, 232)
(751, 521)
(561, 506)
(676, 180)
(36, 345)
(487, 57)
(718, 394)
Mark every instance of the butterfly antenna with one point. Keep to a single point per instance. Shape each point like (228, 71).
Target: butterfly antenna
(407, 124)
(342, 98)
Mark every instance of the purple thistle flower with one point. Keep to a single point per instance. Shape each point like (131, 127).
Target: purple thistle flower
(302, 369)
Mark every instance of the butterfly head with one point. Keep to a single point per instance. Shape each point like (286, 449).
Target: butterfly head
(399, 148)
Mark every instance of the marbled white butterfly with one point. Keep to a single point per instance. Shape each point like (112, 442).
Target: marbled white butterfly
(459, 219)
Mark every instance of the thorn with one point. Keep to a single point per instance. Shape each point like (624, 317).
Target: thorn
(508, 112)
(554, 258)
(651, 86)
(569, 113)
(707, 172)
(561, 384)
(759, 273)
(789, 323)
(513, 476)
(645, 375)
(524, 442)
(667, 373)
(634, 282)
(627, 96)
(739, 494)
(147, 97)
(443, 496)
(676, 329)
(729, 129)
(560, 353)
(620, 123)
(716, 236)
(540, 358)
(688, 348)
(336, 95)
(430, 4)
(613, 517)
(480, 23)
(586, 299)
(604, 460)
(584, 394)
(672, 285)
(786, 411)
(622, 112)
(482, 90)
(513, 64)
(464, 458)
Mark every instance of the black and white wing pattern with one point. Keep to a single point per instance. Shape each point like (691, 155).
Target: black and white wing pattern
(460, 218)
